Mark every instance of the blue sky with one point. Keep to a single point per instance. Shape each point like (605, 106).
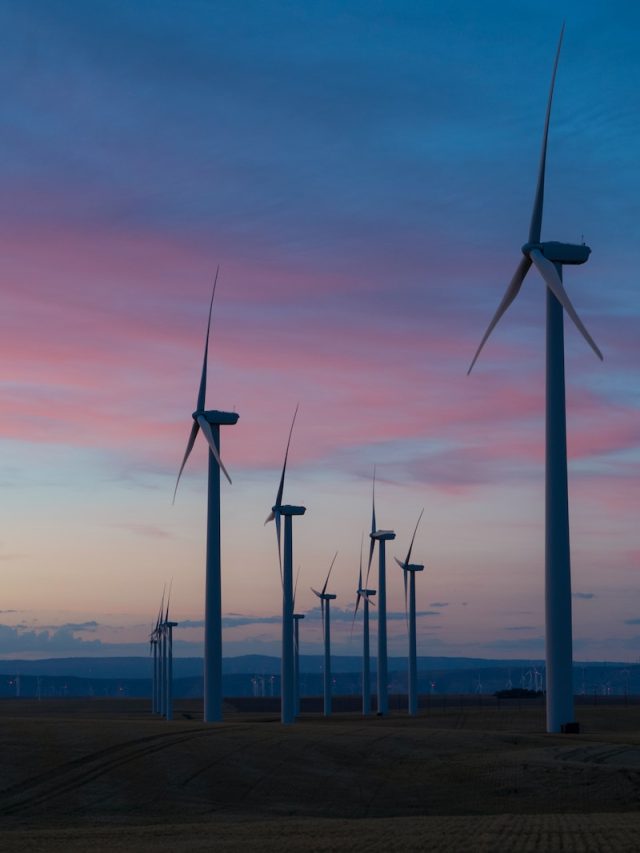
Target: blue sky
(364, 174)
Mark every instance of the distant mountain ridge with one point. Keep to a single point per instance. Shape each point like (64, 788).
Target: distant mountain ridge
(140, 667)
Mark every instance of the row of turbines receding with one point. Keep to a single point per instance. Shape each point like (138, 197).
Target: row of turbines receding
(161, 637)
(549, 258)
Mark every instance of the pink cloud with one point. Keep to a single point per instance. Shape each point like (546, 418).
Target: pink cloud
(103, 337)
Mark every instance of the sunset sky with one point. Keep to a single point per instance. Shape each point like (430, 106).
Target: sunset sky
(363, 173)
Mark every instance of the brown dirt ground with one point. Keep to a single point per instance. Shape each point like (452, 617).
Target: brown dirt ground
(104, 775)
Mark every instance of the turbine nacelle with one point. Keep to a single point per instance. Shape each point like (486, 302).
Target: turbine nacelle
(559, 253)
(213, 416)
(382, 535)
(288, 509)
(409, 567)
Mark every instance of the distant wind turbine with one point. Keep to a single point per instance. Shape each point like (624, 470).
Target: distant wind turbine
(210, 422)
(287, 672)
(381, 537)
(325, 600)
(549, 258)
(154, 638)
(409, 570)
(366, 595)
(168, 627)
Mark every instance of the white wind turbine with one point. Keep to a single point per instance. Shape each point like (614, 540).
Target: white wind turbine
(154, 640)
(549, 258)
(287, 671)
(168, 627)
(325, 601)
(381, 537)
(365, 594)
(210, 422)
(409, 570)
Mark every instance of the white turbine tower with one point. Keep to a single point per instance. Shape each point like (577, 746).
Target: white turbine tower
(154, 638)
(169, 626)
(381, 537)
(287, 666)
(549, 258)
(166, 634)
(409, 570)
(296, 649)
(210, 422)
(365, 594)
(325, 600)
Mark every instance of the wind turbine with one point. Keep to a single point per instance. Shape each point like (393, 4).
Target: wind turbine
(409, 570)
(168, 629)
(287, 671)
(153, 651)
(364, 594)
(325, 599)
(162, 636)
(296, 649)
(210, 421)
(381, 537)
(549, 258)
(154, 642)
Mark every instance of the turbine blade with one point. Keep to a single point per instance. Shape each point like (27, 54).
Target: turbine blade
(358, 591)
(270, 517)
(402, 565)
(413, 538)
(372, 547)
(512, 291)
(295, 589)
(372, 543)
(205, 426)
(373, 502)
(158, 620)
(355, 611)
(553, 281)
(324, 588)
(202, 391)
(536, 216)
(406, 605)
(286, 456)
(166, 616)
(278, 519)
(315, 592)
(190, 443)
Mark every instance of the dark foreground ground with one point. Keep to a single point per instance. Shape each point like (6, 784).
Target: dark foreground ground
(98, 775)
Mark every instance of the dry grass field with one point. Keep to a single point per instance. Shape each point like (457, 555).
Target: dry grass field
(101, 775)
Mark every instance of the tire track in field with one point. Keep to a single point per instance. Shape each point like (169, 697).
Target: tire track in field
(307, 743)
(77, 773)
(220, 758)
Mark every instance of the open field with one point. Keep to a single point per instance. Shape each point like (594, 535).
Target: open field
(104, 775)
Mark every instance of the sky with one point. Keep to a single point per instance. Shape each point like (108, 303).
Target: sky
(363, 174)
